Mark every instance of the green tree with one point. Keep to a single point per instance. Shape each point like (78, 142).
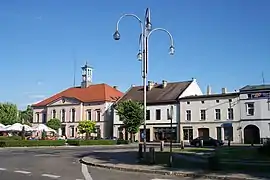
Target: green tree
(54, 124)
(26, 116)
(8, 113)
(87, 127)
(131, 114)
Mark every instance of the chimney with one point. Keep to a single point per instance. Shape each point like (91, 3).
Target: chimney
(164, 83)
(115, 87)
(224, 90)
(150, 85)
(132, 85)
(208, 91)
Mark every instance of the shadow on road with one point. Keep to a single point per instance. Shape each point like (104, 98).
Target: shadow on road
(130, 158)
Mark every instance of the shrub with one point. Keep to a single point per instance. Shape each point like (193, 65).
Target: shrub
(31, 143)
(10, 138)
(122, 141)
(77, 142)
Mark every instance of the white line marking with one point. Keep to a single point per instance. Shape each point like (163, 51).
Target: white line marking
(3, 169)
(22, 172)
(86, 173)
(51, 176)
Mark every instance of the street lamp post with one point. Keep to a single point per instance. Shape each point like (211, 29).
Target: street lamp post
(146, 31)
(170, 115)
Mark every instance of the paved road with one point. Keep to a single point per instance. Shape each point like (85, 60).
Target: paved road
(59, 163)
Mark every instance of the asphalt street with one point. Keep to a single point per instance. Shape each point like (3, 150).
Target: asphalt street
(60, 163)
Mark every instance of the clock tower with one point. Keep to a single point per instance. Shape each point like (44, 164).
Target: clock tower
(86, 75)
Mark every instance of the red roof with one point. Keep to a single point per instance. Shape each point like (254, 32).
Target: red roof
(93, 93)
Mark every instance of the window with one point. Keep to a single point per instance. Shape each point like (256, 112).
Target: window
(168, 113)
(230, 113)
(158, 114)
(250, 109)
(217, 101)
(89, 114)
(73, 115)
(228, 133)
(188, 115)
(37, 117)
(147, 114)
(98, 132)
(63, 115)
(188, 102)
(202, 102)
(203, 114)
(72, 131)
(44, 118)
(218, 116)
(54, 114)
(188, 133)
(230, 100)
(98, 116)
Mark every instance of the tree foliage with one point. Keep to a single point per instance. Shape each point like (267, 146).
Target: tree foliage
(131, 114)
(54, 123)
(87, 127)
(26, 116)
(8, 113)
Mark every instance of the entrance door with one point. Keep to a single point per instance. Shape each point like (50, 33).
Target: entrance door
(63, 128)
(251, 134)
(203, 132)
(218, 133)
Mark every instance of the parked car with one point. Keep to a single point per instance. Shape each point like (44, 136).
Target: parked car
(207, 141)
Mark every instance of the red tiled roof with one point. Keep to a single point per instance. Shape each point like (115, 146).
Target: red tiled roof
(93, 93)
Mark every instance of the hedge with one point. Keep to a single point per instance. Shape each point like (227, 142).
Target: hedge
(31, 143)
(121, 141)
(77, 142)
(10, 138)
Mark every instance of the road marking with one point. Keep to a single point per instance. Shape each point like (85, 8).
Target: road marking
(50, 176)
(86, 173)
(3, 169)
(22, 172)
(46, 155)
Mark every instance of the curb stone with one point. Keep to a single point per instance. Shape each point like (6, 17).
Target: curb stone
(163, 172)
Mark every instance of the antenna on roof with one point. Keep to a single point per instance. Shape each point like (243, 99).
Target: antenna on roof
(74, 68)
(263, 82)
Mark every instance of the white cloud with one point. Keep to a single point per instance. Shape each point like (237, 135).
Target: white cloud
(39, 83)
(36, 96)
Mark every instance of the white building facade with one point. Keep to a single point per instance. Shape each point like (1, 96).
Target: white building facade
(160, 99)
(255, 113)
(214, 115)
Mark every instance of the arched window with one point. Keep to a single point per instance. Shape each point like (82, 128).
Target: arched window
(54, 113)
(73, 115)
(63, 115)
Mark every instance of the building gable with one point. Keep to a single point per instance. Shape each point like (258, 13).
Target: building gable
(62, 101)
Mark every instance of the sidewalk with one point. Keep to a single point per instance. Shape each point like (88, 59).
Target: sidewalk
(126, 160)
(68, 146)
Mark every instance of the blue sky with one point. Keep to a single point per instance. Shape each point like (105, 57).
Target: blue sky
(220, 43)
